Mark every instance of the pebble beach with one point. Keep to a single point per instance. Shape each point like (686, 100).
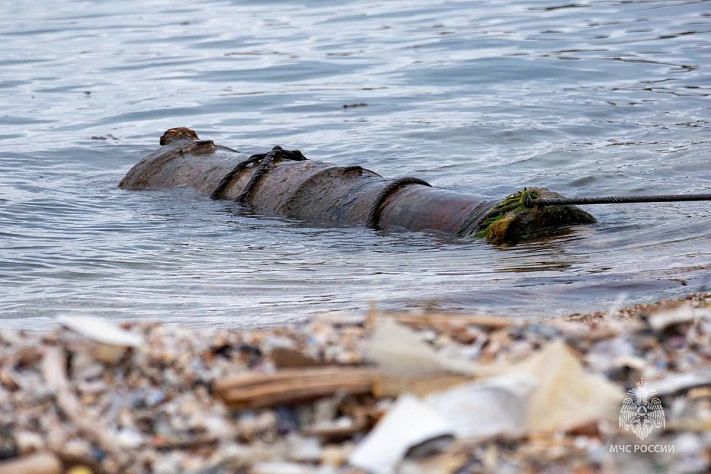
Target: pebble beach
(384, 393)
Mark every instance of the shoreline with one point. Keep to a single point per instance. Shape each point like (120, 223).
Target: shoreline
(313, 397)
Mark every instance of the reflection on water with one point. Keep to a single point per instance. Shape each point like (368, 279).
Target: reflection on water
(586, 98)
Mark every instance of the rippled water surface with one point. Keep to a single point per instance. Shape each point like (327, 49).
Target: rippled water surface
(586, 98)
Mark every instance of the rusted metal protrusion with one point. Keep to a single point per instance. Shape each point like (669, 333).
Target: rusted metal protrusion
(286, 183)
(173, 135)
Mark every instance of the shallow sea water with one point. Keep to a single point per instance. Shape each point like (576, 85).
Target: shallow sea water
(583, 97)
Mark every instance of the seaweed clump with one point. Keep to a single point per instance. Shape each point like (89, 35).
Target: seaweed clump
(511, 221)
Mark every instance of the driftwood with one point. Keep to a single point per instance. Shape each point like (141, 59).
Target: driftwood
(252, 390)
(54, 366)
(287, 386)
(488, 322)
(420, 386)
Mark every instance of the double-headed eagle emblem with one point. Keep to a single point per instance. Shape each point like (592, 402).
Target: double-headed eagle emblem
(641, 412)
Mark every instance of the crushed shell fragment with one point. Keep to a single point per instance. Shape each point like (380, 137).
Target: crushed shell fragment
(101, 331)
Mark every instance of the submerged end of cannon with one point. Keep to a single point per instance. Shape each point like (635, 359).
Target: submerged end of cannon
(511, 220)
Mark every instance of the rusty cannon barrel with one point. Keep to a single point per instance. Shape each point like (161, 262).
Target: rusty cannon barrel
(286, 183)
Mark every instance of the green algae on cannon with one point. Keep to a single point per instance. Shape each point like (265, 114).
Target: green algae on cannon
(511, 220)
(284, 182)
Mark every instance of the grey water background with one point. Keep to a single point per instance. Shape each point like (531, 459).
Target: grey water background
(583, 97)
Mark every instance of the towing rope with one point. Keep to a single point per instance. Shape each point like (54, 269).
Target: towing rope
(264, 160)
(533, 201)
(375, 210)
(216, 194)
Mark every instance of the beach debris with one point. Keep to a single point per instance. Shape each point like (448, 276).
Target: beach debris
(566, 395)
(80, 470)
(398, 350)
(54, 371)
(488, 408)
(674, 383)
(289, 386)
(388, 385)
(43, 462)
(682, 313)
(548, 391)
(464, 320)
(101, 331)
(450, 393)
(112, 341)
(408, 423)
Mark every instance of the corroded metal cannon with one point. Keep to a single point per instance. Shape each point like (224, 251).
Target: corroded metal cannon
(286, 183)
